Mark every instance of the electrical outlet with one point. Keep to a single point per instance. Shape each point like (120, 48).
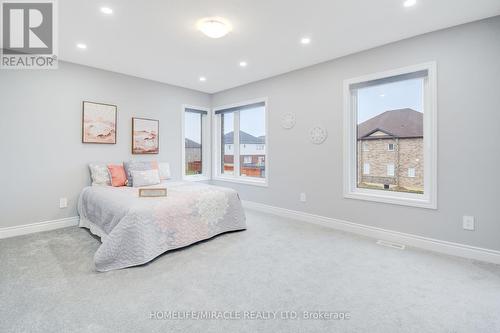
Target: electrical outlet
(468, 223)
(303, 197)
(63, 202)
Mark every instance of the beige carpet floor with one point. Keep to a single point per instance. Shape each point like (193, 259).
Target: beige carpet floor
(277, 267)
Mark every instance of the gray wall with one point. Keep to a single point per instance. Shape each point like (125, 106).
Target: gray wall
(468, 59)
(42, 157)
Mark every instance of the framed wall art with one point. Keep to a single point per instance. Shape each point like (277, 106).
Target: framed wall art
(145, 136)
(99, 123)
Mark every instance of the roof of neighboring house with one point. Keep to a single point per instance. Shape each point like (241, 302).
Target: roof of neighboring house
(191, 144)
(245, 138)
(402, 123)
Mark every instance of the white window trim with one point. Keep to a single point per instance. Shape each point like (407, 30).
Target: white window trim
(393, 147)
(351, 191)
(216, 165)
(206, 145)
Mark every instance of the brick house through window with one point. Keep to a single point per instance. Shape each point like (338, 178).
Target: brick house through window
(252, 154)
(391, 143)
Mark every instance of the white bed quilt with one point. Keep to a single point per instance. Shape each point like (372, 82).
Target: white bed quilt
(135, 230)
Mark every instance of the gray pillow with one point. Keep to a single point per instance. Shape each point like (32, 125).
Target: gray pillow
(137, 166)
(146, 178)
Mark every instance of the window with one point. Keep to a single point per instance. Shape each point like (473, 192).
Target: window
(390, 170)
(388, 110)
(366, 168)
(196, 141)
(241, 133)
(411, 172)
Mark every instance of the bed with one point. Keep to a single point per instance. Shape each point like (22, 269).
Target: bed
(134, 230)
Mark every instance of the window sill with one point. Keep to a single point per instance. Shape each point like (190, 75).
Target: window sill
(395, 198)
(242, 180)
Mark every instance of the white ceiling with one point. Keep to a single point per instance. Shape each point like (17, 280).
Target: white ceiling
(157, 39)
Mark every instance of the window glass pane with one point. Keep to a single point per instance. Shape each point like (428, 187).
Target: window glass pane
(193, 143)
(390, 136)
(227, 143)
(253, 142)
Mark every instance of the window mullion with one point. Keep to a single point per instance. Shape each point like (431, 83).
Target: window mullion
(236, 140)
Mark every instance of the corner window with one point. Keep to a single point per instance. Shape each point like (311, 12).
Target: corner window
(241, 143)
(196, 144)
(389, 111)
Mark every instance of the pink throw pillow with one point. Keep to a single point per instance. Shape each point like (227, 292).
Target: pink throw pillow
(118, 175)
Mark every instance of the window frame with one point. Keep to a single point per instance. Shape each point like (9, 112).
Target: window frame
(216, 144)
(206, 144)
(389, 147)
(351, 191)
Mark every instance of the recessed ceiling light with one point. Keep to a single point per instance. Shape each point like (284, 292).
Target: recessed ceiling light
(382, 95)
(305, 40)
(409, 3)
(243, 64)
(81, 46)
(214, 27)
(203, 79)
(106, 10)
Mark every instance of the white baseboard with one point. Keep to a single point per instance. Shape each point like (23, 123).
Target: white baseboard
(38, 227)
(436, 245)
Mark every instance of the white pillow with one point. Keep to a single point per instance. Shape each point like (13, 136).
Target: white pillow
(99, 174)
(164, 169)
(145, 178)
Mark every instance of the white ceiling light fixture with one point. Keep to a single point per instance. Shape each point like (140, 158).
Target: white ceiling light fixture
(81, 46)
(305, 40)
(214, 27)
(106, 10)
(243, 64)
(409, 3)
(203, 79)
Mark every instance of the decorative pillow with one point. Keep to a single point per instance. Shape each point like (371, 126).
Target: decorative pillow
(118, 176)
(164, 169)
(99, 174)
(145, 178)
(138, 166)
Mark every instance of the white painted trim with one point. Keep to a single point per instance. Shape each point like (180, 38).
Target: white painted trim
(206, 129)
(216, 130)
(431, 244)
(38, 227)
(350, 189)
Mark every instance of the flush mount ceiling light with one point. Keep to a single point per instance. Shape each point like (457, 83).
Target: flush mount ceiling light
(409, 3)
(214, 27)
(106, 10)
(203, 79)
(305, 40)
(243, 64)
(81, 46)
